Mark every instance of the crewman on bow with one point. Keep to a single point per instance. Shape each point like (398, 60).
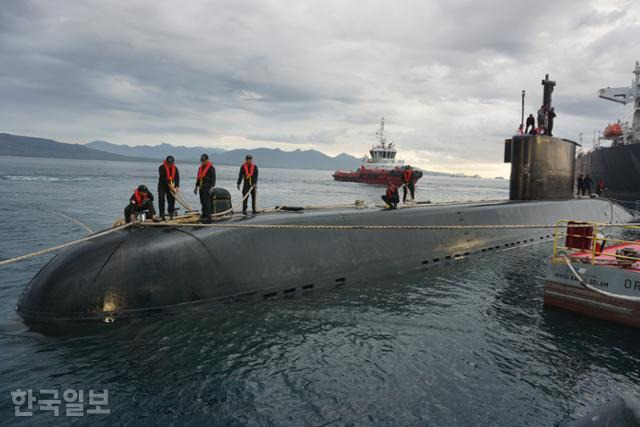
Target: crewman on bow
(249, 175)
(408, 184)
(205, 182)
(168, 185)
(140, 202)
(391, 198)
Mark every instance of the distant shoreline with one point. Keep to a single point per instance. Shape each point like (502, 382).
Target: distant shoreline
(144, 160)
(151, 161)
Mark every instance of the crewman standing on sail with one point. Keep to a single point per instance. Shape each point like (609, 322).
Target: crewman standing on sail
(205, 182)
(248, 174)
(542, 118)
(550, 117)
(408, 184)
(531, 124)
(168, 185)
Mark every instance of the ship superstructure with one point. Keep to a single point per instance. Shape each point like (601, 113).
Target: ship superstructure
(616, 167)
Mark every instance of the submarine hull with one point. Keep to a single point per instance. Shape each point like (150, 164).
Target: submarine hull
(137, 271)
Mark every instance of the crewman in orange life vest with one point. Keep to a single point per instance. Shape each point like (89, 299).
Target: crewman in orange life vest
(391, 198)
(168, 185)
(248, 174)
(407, 182)
(140, 202)
(205, 182)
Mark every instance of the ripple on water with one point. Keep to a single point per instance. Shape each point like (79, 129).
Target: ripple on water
(470, 344)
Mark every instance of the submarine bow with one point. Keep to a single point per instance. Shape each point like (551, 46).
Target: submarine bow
(124, 272)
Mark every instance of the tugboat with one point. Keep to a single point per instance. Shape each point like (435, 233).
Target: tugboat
(594, 275)
(381, 167)
(617, 166)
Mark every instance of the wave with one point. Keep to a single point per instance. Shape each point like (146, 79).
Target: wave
(43, 178)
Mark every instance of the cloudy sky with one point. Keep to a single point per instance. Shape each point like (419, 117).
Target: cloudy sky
(446, 75)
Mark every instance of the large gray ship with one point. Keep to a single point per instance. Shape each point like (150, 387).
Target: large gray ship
(617, 165)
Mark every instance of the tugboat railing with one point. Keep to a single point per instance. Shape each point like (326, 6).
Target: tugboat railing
(579, 237)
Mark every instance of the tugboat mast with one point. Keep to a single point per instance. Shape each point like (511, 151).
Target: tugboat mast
(380, 133)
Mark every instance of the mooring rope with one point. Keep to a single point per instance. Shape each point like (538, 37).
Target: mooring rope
(70, 218)
(181, 200)
(62, 246)
(379, 227)
(312, 227)
(594, 289)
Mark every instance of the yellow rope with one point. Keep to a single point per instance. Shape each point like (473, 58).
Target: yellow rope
(70, 218)
(181, 200)
(312, 227)
(376, 227)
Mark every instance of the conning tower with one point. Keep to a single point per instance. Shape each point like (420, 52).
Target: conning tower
(542, 166)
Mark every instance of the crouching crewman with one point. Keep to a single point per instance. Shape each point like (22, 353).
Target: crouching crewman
(140, 202)
(391, 197)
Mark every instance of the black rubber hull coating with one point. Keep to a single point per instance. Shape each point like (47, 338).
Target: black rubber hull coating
(138, 271)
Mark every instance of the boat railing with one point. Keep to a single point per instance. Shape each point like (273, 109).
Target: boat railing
(587, 241)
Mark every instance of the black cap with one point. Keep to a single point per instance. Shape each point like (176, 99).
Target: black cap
(248, 156)
(143, 188)
(170, 159)
(205, 156)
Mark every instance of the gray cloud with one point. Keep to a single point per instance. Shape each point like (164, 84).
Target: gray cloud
(446, 75)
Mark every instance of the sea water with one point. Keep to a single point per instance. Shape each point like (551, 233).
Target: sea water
(468, 344)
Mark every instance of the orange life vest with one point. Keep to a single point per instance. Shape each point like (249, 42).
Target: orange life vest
(407, 175)
(248, 174)
(390, 191)
(138, 197)
(170, 171)
(202, 171)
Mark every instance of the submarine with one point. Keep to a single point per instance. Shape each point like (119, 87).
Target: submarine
(146, 269)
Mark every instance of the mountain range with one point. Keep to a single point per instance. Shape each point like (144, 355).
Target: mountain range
(267, 157)
(159, 151)
(25, 146)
